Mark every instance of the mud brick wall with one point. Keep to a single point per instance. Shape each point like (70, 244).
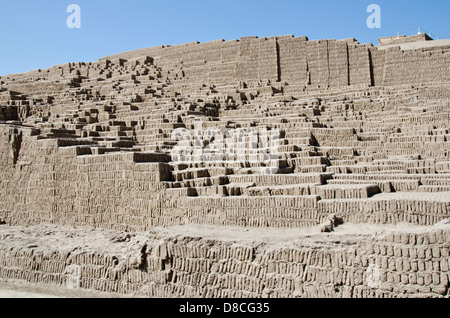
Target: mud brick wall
(52, 184)
(7, 155)
(318, 63)
(396, 264)
(359, 65)
(339, 64)
(378, 62)
(304, 211)
(224, 61)
(28, 185)
(42, 184)
(115, 192)
(386, 211)
(257, 59)
(293, 59)
(252, 211)
(126, 191)
(318, 69)
(394, 66)
(11, 142)
(207, 62)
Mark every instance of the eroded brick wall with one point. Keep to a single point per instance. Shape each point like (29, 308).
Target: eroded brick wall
(398, 264)
(316, 64)
(61, 185)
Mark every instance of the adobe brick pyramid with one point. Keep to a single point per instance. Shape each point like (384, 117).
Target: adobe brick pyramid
(259, 167)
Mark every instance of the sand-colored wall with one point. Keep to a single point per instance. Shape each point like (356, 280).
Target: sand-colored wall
(50, 183)
(315, 64)
(397, 264)
(58, 185)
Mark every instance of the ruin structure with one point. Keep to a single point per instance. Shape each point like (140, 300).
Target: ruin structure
(206, 169)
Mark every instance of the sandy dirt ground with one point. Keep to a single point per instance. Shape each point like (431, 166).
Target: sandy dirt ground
(8, 293)
(15, 289)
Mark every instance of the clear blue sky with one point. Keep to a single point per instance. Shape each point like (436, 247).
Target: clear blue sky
(34, 32)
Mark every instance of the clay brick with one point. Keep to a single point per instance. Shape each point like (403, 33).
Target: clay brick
(436, 279)
(420, 279)
(412, 278)
(444, 265)
(398, 252)
(428, 279)
(421, 252)
(405, 279)
(413, 252)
